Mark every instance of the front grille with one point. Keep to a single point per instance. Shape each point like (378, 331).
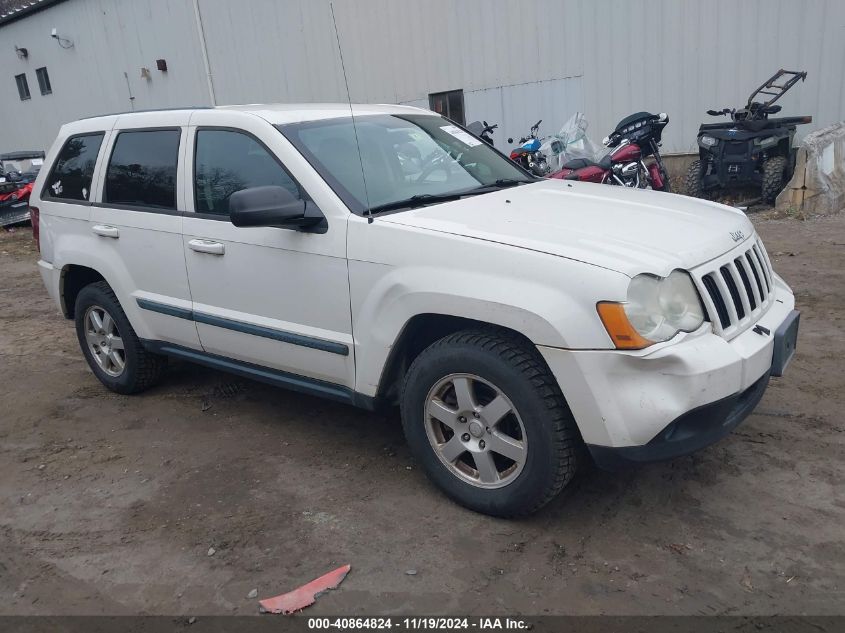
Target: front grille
(737, 288)
(734, 148)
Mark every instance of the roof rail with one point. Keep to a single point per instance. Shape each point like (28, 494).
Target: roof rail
(97, 116)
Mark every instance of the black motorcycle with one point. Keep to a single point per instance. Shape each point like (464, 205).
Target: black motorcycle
(482, 130)
(751, 149)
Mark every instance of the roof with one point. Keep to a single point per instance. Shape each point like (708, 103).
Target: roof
(281, 113)
(11, 10)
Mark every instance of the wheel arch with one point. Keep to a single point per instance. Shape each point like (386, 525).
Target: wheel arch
(416, 335)
(74, 277)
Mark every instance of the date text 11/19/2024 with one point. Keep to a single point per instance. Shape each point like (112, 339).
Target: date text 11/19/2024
(418, 623)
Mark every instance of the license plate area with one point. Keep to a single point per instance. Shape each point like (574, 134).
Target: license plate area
(786, 338)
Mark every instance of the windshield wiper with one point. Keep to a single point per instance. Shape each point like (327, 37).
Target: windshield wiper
(423, 199)
(510, 182)
(502, 183)
(418, 200)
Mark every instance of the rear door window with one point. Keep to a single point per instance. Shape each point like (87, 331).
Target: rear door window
(227, 161)
(71, 176)
(142, 169)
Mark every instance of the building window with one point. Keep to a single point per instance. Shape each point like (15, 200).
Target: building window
(450, 104)
(43, 80)
(23, 87)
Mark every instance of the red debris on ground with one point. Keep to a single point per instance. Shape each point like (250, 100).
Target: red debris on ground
(305, 595)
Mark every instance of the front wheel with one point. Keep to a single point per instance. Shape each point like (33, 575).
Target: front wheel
(695, 180)
(774, 178)
(487, 421)
(666, 188)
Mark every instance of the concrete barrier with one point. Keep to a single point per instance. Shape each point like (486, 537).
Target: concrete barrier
(817, 186)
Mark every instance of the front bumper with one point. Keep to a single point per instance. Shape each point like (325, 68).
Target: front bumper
(675, 398)
(690, 432)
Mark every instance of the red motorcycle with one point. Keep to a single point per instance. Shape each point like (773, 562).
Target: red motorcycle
(636, 138)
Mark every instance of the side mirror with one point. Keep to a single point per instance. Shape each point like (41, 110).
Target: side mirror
(274, 206)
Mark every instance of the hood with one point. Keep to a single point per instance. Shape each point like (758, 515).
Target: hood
(627, 230)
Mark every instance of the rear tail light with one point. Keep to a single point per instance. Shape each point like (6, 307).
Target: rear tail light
(35, 218)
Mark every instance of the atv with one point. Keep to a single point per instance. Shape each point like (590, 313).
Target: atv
(751, 149)
(18, 171)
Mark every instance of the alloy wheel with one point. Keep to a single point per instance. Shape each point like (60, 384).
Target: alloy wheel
(475, 431)
(104, 341)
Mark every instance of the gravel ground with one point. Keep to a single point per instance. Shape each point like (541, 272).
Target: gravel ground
(110, 504)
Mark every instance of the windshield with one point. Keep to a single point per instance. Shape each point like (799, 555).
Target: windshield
(423, 157)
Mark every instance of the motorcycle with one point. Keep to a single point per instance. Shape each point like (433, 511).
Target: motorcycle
(528, 155)
(482, 130)
(570, 142)
(636, 138)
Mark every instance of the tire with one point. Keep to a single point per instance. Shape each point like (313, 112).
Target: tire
(774, 178)
(503, 371)
(140, 369)
(695, 180)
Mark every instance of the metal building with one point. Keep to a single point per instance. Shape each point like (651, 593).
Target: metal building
(507, 61)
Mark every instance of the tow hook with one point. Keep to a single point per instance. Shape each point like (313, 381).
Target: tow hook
(762, 331)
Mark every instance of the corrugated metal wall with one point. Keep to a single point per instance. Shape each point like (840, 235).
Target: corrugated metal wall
(109, 37)
(535, 58)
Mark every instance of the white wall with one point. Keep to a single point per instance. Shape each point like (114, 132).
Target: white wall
(606, 57)
(109, 37)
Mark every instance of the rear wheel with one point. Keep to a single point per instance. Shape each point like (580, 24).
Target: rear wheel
(488, 423)
(110, 345)
(774, 178)
(695, 180)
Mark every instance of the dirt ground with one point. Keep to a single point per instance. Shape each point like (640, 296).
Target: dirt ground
(109, 504)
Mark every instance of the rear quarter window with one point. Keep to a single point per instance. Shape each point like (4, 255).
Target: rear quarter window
(142, 169)
(70, 178)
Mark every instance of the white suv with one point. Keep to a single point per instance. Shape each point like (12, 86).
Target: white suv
(392, 257)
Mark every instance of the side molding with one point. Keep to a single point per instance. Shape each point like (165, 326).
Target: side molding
(301, 340)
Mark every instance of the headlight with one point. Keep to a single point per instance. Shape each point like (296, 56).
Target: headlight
(707, 141)
(656, 310)
(766, 142)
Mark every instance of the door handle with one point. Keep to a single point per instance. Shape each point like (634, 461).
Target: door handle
(207, 246)
(105, 231)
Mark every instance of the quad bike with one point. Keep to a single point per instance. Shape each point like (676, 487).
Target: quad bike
(17, 174)
(751, 149)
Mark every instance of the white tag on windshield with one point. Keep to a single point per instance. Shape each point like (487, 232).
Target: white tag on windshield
(458, 133)
(37, 161)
